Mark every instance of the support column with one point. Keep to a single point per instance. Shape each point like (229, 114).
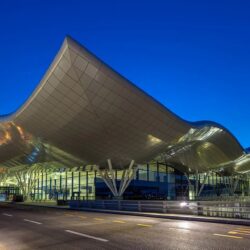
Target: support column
(66, 185)
(111, 170)
(236, 182)
(233, 184)
(79, 184)
(108, 176)
(196, 183)
(203, 184)
(189, 187)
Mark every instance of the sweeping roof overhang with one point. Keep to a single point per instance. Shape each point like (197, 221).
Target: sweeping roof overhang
(84, 112)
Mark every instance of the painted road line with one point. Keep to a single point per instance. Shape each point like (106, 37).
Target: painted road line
(98, 219)
(82, 217)
(234, 232)
(228, 236)
(173, 228)
(119, 221)
(241, 231)
(86, 236)
(32, 221)
(9, 215)
(243, 228)
(144, 225)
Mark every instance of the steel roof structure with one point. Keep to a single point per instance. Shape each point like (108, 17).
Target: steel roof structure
(83, 112)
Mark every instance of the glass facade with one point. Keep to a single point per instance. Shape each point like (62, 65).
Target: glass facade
(154, 180)
(64, 185)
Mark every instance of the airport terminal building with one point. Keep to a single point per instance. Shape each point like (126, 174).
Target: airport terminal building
(88, 133)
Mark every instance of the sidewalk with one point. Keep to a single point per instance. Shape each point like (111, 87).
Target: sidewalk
(152, 215)
(43, 204)
(36, 204)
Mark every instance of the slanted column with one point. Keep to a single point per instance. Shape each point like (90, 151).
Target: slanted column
(203, 183)
(127, 177)
(108, 176)
(112, 172)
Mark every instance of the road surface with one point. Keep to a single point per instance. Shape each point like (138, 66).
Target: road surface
(28, 227)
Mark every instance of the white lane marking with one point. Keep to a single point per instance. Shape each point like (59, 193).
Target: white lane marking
(32, 221)
(10, 215)
(185, 229)
(86, 235)
(228, 236)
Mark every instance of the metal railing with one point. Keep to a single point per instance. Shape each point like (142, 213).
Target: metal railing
(202, 208)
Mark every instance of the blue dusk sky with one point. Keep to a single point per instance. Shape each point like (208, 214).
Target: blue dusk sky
(192, 56)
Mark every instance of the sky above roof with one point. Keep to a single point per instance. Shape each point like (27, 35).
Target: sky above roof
(192, 56)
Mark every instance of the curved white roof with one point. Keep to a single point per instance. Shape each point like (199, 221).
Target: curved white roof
(85, 108)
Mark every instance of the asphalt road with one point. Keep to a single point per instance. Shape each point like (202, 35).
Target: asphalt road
(47, 228)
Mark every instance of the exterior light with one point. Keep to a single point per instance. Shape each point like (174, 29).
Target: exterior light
(183, 204)
(153, 140)
(20, 130)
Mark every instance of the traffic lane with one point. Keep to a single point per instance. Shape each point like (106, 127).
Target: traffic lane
(134, 230)
(61, 216)
(18, 234)
(62, 222)
(151, 233)
(124, 243)
(77, 215)
(51, 222)
(50, 214)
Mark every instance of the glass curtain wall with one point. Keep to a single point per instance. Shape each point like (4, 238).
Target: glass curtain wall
(154, 180)
(64, 185)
